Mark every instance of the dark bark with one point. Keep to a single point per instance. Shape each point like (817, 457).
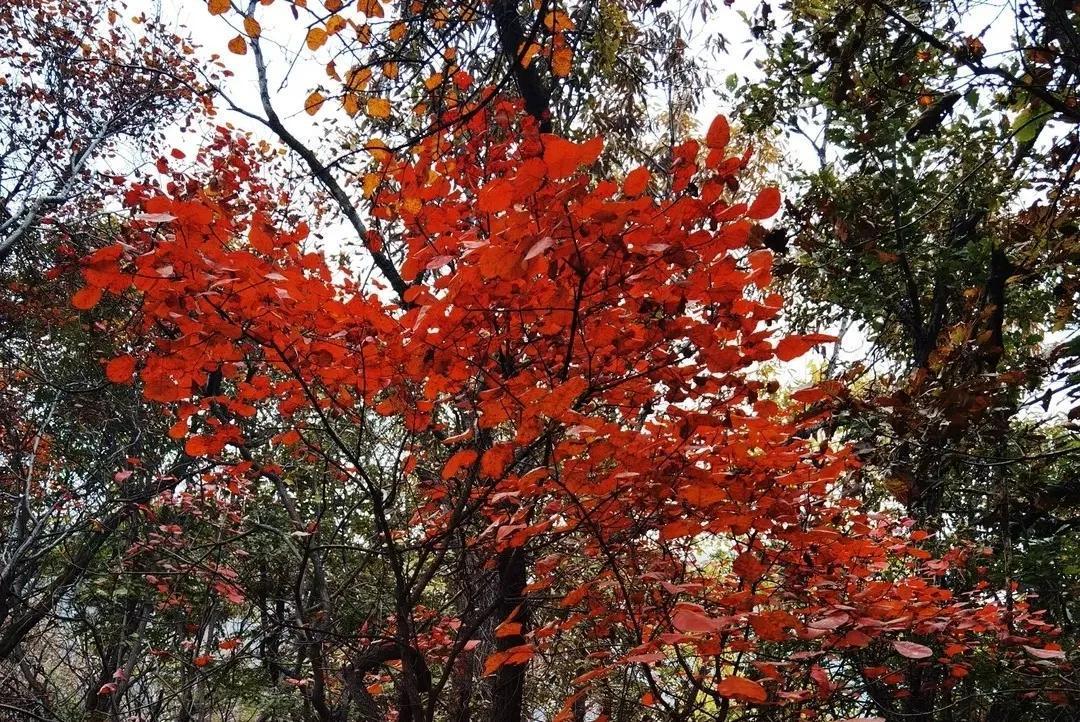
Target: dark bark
(508, 690)
(512, 41)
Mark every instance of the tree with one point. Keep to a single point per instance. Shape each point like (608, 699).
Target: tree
(938, 222)
(558, 399)
(80, 89)
(510, 459)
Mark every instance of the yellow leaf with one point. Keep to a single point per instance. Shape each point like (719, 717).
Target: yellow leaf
(371, 182)
(357, 78)
(335, 24)
(557, 21)
(238, 45)
(371, 8)
(528, 53)
(218, 7)
(561, 61)
(351, 104)
(252, 27)
(378, 150)
(378, 107)
(316, 38)
(433, 81)
(314, 102)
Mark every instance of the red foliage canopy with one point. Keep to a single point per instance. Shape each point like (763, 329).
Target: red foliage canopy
(569, 372)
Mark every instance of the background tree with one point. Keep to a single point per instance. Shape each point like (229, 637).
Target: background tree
(938, 221)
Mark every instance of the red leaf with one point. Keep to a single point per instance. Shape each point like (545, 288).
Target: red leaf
(793, 347)
(563, 157)
(689, 619)
(515, 655)
(197, 446)
(539, 247)
(911, 650)
(86, 298)
(742, 688)
(719, 134)
(636, 182)
(765, 205)
(833, 621)
(1044, 653)
(120, 369)
(495, 196)
(458, 461)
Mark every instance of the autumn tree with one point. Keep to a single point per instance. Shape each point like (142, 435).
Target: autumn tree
(494, 448)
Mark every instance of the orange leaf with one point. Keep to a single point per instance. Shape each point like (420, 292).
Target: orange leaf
(742, 688)
(120, 369)
(86, 298)
(335, 24)
(766, 204)
(378, 107)
(218, 7)
(314, 103)
(238, 45)
(371, 8)
(357, 78)
(351, 105)
(562, 62)
(252, 27)
(316, 38)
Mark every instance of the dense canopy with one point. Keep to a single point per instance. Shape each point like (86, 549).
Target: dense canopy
(423, 361)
